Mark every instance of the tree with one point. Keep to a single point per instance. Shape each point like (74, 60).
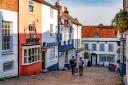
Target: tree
(86, 54)
(120, 21)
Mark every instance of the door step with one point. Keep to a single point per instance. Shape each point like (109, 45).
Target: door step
(45, 70)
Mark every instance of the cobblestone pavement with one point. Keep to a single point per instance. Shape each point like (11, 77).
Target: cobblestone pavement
(92, 76)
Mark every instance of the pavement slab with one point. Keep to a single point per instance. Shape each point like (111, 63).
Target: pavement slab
(92, 76)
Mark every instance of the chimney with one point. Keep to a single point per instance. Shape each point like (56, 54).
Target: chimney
(66, 10)
(58, 5)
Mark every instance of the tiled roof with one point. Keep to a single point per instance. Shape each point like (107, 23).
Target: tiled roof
(48, 4)
(67, 16)
(98, 32)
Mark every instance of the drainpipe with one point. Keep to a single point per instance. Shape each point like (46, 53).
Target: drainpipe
(18, 38)
(77, 47)
(58, 37)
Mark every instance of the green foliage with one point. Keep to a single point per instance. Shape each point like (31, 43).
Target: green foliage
(86, 54)
(119, 52)
(2, 79)
(120, 21)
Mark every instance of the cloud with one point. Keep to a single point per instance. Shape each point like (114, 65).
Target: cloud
(93, 12)
(95, 15)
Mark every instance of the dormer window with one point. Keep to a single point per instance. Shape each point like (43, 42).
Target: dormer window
(96, 34)
(30, 6)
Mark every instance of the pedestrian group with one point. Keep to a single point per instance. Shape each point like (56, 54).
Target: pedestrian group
(77, 68)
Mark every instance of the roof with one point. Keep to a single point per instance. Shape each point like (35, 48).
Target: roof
(67, 16)
(48, 4)
(98, 32)
(125, 4)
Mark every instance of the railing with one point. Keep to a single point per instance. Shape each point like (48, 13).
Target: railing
(32, 41)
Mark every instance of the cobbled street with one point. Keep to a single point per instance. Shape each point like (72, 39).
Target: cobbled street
(92, 76)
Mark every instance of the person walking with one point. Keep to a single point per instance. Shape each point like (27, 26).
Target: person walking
(81, 65)
(73, 65)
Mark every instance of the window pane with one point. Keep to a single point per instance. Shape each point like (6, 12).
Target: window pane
(102, 47)
(6, 35)
(25, 60)
(7, 66)
(25, 52)
(86, 46)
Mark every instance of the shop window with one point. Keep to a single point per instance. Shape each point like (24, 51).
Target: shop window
(52, 53)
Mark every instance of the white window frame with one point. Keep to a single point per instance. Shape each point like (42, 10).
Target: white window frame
(30, 3)
(87, 46)
(100, 47)
(38, 54)
(92, 47)
(10, 35)
(112, 47)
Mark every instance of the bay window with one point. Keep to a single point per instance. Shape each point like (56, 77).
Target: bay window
(31, 54)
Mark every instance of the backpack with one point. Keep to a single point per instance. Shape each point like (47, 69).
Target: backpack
(72, 62)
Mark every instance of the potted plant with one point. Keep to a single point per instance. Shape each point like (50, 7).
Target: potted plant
(86, 56)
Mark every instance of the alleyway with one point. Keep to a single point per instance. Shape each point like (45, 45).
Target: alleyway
(92, 76)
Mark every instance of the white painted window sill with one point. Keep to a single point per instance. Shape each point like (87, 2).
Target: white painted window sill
(7, 52)
(31, 63)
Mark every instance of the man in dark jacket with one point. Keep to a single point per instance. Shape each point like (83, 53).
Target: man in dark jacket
(73, 64)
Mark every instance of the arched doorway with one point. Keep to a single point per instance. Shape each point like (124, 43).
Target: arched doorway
(93, 59)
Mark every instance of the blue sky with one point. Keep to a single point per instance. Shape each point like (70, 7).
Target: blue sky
(92, 12)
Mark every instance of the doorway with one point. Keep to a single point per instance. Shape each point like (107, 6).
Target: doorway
(93, 59)
(43, 59)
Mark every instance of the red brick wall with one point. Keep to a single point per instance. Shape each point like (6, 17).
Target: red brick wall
(104, 32)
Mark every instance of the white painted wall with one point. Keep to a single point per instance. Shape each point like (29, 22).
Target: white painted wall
(91, 41)
(77, 35)
(46, 21)
(47, 58)
(65, 35)
(13, 56)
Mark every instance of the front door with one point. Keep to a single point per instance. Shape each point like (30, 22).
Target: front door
(61, 61)
(94, 59)
(43, 59)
